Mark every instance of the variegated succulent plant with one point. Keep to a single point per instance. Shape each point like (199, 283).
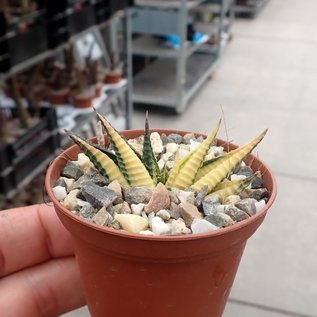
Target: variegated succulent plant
(192, 171)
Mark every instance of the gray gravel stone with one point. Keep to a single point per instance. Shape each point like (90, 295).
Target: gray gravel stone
(257, 182)
(72, 170)
(137, 195)
(175, 211)
(209, 208)
(220, 219)
(201, 196)
(93, 177)
(247, 205)
(187, 137)
(102, 217)
(174, 138)
(98, 196)
(173, 196)
(61, 182)
(258, 194)
(245, 170)
(87, 212)
(189, 212)
(202, 226)
(236, 214)
(212, 199)
(122, 208)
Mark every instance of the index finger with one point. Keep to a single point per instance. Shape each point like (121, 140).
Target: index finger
(31, 235)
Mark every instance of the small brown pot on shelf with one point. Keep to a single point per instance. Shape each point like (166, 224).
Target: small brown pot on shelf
(59, 97)
(39, 93)
(85, 98)
(191, 275)
(98, 89)
(113, 76)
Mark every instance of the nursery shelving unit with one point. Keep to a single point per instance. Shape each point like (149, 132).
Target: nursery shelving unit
(117, 104)
(96, 31)
(175, 74)
(251, 9)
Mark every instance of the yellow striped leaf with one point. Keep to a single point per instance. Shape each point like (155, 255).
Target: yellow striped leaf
(105, 165)
(189, 169)
(212, 174)
(130, 165)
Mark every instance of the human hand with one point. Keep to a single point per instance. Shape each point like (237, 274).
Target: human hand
(38, 273)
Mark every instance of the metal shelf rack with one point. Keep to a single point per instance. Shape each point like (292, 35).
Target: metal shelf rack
(251, 10)
(176, 74)
(117, 105)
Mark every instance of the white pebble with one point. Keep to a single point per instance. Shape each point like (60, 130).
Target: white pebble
(161, 164)
(147, 233)
(186, 196)
(166, 156)
(159, 226)
(171, 147)
(231, 200)
(156, 142)
(136, 145)
(169, 164)
(84, 162)
(236, 177)
(59, 192)
(259, 205)
(202, 226)
(209, 156)
(132, 223)
(150, 216)
(222, 208)
(193, 145)
(182, 153)
(137, 209)
(71, 201)
(216, 150)
(68, 181)
(82, 203)
(164, 214)
(178, 227)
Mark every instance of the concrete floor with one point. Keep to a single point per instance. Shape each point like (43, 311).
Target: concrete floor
(268, 78)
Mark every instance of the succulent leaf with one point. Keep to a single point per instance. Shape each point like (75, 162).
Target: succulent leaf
(228, 188)
(148, 156)
(189, 169)
(104, 150)
(215, 172)
(178, 164)
(129, 163)
(102, 162)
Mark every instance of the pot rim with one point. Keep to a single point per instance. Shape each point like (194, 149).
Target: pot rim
(124, 234)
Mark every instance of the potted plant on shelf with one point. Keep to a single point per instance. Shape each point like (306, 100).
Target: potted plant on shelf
(58, 82)
(148, 249)
(84, 95)
(113, 75)
(91, 73)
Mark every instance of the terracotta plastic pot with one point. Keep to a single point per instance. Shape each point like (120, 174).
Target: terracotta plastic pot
(58, 97)
(113, 77)
(83, 101)
(127, 274)
(98, 90)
